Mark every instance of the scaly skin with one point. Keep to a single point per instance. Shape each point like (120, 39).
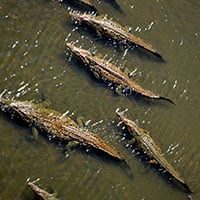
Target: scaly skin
(41, 193)
(111, 29)
(108, 71)
(56, 124)
(146, 144)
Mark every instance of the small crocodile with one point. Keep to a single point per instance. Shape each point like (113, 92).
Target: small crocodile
(56, 124)
(111, 29)
(41, 193)
(111, 73)
(147, 145)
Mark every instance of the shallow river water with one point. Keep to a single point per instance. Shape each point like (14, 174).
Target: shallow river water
(35, 65)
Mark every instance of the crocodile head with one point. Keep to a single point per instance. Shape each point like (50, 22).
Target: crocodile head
(7, 104)
(89, 19)
(77, 16)
(20, 108)
(131, 125)
(24, 109)
(84, 55)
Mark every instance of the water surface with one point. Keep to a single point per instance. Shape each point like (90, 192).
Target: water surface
(35, 65)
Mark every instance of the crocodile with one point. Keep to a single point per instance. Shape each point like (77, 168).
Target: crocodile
(107, 71)
(41, 193)
(56, 124)
(146, 144)
(109, 28)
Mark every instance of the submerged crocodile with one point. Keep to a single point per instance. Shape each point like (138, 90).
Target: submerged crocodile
(56, 124)
(111, 29)
(111, 73)
(147, 145)
(41, 193)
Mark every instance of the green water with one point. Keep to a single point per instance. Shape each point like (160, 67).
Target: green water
(36, 65)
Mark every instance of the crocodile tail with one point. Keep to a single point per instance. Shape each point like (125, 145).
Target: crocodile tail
(159, 56)
(166, 99)
(187, 188)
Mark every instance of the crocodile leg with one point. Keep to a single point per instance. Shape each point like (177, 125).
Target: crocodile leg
(72, 144)
(118, 90)
(34, 132)
(153, 161)
(80, 121)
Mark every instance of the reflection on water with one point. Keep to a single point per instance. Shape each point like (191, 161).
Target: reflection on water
(35, 65)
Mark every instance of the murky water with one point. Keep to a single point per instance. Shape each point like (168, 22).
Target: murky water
(36, 65)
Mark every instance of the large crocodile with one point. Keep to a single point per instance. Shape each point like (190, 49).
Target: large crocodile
(147, 145)
(43, 194)
(111, 29)
(56, 124)
(111, 73)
